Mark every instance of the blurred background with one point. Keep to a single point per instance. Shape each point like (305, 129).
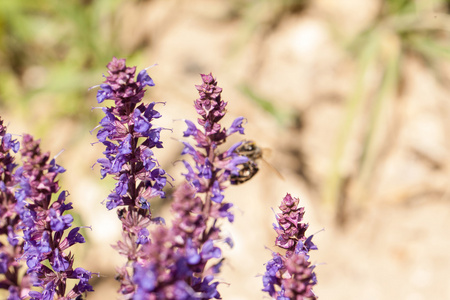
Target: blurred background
(350, 100)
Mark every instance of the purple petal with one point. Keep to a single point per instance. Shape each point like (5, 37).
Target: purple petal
(236, 126)
(145, 79)
(104, 93)
(191, 130)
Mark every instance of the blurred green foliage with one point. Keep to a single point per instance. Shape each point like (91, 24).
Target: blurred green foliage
(51, 51)
(262, 15)
(402, 29)
(259, 18)
(283, 116)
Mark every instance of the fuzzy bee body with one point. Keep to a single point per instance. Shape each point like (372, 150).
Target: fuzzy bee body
(250, 168)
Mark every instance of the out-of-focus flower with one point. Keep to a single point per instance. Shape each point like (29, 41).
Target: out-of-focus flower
(291, 276)
(11, 247)
(176, 264)
(44, 222)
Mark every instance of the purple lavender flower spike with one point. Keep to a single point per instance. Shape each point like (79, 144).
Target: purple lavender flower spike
(44, 224)
(211, 165)
(185, 267)
(174, 262)
(211, 172)
(291, 276)
(26, 194)
(129, 135)
(10, 222)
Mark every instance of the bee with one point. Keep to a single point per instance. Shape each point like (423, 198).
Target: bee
(250, 150)
(250, 168)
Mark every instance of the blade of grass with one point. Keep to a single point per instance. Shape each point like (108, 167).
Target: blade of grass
(428, 47)
(282, 118)
(365, 59)
(392, 61)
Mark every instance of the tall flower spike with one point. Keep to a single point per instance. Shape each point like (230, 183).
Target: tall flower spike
(291, 276)
(45, 224)
(11, 249)
(180, 262)
(129, 136)
(212, 168)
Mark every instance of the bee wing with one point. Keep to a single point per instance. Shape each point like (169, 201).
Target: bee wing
(266, 152)
(273, 168)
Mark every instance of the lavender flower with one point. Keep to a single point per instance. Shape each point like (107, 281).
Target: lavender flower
(181, 261)
(291, 276)
(173, 264)
(212, 174)
(213, 168)
(12, 249)
(44, 224)
(129, 136)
